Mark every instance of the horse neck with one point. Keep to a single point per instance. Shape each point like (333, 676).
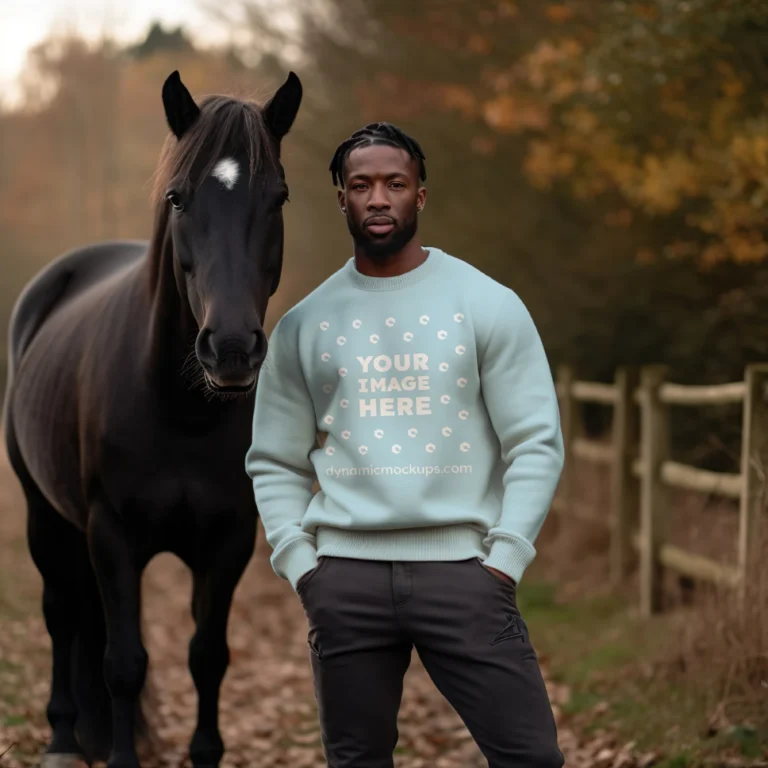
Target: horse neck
(171, 323)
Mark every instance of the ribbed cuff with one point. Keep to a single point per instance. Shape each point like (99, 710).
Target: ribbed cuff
(510, 556)
(447, 542)
(295, 559)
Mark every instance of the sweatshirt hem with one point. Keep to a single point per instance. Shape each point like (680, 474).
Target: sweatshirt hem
(454, 542)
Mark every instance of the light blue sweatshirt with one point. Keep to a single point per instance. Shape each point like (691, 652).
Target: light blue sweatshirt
(443, 437)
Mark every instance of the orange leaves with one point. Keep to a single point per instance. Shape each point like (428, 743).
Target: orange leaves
(649, 104)
(737, 227)
(581, 120)
(737, 188)
(688, 143)
(731, 84)
(459, 98)
(747, 247)
(559, 13)
(511, 114)
(583, 153)
(749, 153)
(507, 9)
(742, 248)
(545, 163)
(665, 180)
(479, 44)
(555, 68)
(646, 11)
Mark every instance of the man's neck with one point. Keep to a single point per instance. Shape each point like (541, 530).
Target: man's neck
(409, 258)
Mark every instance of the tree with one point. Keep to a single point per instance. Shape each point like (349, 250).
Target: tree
(365, 60)
(595, 186)
(159, 39)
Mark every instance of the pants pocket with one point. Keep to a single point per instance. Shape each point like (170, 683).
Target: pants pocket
(495, 579)
(309, 576)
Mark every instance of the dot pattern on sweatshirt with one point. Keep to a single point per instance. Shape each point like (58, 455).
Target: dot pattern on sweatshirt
(333, 354)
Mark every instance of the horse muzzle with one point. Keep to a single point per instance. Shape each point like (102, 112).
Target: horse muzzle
(231, 365)
(232, 374)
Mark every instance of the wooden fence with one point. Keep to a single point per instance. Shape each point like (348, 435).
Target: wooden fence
(641, 470)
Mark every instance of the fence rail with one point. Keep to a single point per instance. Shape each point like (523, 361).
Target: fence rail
(719, 394)
(642, 472)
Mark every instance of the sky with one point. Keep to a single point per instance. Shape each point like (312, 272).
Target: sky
(23, 23)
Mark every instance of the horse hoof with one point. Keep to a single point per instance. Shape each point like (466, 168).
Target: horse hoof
(62, 760)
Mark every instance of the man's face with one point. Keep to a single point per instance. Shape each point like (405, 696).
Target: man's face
(380, 199)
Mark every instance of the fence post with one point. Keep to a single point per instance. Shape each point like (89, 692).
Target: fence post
(754, 465)
(654, 451)
(569, 424)
(624, 486)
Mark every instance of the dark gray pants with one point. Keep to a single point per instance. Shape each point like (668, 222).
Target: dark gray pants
(364, 618)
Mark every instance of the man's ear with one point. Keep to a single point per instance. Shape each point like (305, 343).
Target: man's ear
(342, 201)
(421, 198)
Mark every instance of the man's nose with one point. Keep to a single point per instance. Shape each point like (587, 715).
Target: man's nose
(378, 199)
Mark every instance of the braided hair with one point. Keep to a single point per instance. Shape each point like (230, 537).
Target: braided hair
(376, 133)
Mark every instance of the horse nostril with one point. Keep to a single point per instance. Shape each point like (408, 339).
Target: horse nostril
(258, 349)
(205, 347)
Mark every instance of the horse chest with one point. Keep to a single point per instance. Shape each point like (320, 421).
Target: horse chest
(170, 473)
(176, 499)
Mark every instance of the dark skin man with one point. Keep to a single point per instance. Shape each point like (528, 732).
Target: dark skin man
(381, 200)
(440, 454)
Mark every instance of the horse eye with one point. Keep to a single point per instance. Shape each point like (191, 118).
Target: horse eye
(175, 200)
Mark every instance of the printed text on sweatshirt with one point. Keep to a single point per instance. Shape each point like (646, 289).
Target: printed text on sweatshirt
(443, 437)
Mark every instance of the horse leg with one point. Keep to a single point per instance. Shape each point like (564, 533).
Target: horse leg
(118, 571)
(214, 586)
(59, 551)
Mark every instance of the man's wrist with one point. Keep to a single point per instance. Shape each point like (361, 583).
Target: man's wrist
(296, 559)
(510, 555)
(500, 574)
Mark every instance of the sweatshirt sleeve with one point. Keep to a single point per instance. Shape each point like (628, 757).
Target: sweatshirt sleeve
(520, 397)
(278, 463)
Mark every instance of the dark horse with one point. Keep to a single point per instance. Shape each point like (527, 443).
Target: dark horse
(128, 415)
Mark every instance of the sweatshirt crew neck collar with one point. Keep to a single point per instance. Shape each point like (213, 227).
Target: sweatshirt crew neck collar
(416, 275)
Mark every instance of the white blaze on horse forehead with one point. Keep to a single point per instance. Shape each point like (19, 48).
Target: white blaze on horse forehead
(227, 172)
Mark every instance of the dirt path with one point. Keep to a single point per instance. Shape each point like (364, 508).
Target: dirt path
(268, 713)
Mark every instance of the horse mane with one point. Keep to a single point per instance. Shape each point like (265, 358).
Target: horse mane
(225, 125)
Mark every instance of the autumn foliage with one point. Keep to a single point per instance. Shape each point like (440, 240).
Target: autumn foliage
(607, 160)
(661, 102)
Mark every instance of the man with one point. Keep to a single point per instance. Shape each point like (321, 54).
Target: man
(442, 453)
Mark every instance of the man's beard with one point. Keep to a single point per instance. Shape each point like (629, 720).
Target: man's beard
(380, 249)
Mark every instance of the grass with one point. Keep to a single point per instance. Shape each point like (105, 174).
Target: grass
(613, 663)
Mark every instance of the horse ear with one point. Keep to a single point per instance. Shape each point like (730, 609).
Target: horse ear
(280, 111)
(180, 108)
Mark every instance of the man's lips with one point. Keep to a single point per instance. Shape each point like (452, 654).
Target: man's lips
(379, 225)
